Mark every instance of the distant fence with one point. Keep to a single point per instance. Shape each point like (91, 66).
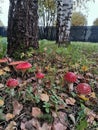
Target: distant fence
(78, 33)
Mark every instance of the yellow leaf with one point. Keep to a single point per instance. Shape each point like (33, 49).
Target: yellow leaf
(47, 68)
(44, 97)
(6, 69)
(84, 68)
(93, 95)
(9, 116)
(1, 102)
(83, 97)
(2, 72)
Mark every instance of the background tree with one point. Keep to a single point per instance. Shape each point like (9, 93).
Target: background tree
(64, 13)
(95, 23)
(1, 24)
(47, 12)
(78, 19)
(22, 26)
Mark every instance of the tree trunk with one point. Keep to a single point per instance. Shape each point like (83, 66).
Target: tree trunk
(22, 26)
(64, 13)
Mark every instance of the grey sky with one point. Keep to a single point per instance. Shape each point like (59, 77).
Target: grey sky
(92, 14)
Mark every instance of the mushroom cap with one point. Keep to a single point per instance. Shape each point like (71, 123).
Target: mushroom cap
(70, 77)
(3, 60)
(23, 66)
(83, 88)
(12, 83)
(15, 63)
(40, 75)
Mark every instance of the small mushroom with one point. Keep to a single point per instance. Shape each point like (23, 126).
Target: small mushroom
(23, 67)
(12, 83)
(3, 61)
(40, 75)
(70, 78)
(83, 88)
(15, 63)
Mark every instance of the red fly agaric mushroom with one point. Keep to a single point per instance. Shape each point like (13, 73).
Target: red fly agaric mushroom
(70, 78)
(23, 67)
(83, 88)
(12, 83)
(3, 60)
(40, 75)
(15, 63)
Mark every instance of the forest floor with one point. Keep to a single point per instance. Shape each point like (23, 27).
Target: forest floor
(46, 103)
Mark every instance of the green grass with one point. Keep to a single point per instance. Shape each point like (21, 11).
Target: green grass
(3, 47)
(76, 51)
(84, 54)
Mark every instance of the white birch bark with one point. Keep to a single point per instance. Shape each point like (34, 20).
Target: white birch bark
(64, 13)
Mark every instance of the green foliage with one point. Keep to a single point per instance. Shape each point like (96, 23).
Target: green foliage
(1, 115)
(78, 19)
(46, 117)
(95, 23)
(47, 106)
(82, 122)
(3, 47)
(82, 125)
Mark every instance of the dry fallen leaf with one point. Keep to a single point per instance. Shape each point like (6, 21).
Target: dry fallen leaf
(17, 107)
(7, 69)
(11, 126)
(2, 72)
(57, 125)
(45, 126)
(22, 126)
(9, 116)
(91, 117)
(34, 124)
(70, 101)
(1, 102)
(1, 85)
(44, 97)
(36, 112)
(62, 118)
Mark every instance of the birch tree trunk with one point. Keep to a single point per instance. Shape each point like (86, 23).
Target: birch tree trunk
(64, 14)
(22, 26)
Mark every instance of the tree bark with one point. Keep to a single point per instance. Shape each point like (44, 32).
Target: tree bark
(22, 26)
(64, 14)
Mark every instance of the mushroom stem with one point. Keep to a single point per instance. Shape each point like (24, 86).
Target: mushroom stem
(70, 87)
(12, 92)
(23, 72)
